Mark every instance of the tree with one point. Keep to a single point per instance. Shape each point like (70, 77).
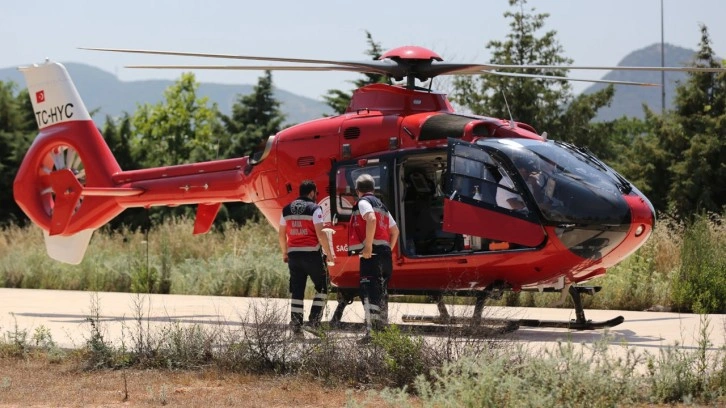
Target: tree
(699, 148)
(17, 131)
(340, 100)
(538, 102)
(254, 118)
(690, 144)
(546, 104)
(180, 129)
(119, 137)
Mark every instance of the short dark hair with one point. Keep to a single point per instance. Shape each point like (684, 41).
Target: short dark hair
(365, 183)
(306, 187)
(525, 163)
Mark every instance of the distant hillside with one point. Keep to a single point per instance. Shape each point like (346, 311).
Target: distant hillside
(629, 100)
(103, 91)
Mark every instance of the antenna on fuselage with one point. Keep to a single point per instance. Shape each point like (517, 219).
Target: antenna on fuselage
(512, 125)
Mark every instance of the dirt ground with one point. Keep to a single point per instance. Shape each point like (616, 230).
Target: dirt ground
(38, 383)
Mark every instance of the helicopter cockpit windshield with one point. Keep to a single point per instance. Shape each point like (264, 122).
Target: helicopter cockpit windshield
(560, 178)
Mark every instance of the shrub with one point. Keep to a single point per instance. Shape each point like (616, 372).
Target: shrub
(700, 285)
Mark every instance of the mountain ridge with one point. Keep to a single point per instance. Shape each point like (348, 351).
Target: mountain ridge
(119, 96)
(629, 100)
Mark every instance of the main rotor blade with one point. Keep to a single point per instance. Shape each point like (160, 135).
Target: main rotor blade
(433, 69)
(384, 67)
(259, 68)
(487, 67)
(227, 56)
(598, 81)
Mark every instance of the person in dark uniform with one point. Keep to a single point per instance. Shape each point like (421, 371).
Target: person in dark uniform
(372, 235)
(302, 239)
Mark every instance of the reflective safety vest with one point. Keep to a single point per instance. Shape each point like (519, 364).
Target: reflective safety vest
(299, 226)
(357, 228)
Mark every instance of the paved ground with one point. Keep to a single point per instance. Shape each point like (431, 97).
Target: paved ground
(65, 314)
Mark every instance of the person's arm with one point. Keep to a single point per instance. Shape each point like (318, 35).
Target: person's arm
(282, 238)
(393, 233)
(515, 203)
(324, 243)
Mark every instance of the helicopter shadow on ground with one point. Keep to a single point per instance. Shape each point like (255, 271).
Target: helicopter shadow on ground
(210, 319)
(614, 336)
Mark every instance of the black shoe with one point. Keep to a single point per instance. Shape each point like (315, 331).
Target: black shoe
(314, 328)
(365, 339)
(296, 327)
(379, 326)
(313, 325)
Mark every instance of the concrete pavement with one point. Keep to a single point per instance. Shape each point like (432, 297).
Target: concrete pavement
(65, 315)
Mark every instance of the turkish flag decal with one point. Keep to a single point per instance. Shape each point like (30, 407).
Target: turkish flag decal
(40, 96)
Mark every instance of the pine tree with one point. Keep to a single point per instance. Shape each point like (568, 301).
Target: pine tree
(254, 118)
(118, 134)
(692, 140)
(538, 102)
(340, 100)
(546, 104)
(17, 131)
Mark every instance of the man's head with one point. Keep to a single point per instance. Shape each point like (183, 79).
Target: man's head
(307, 187)
(525, 165)
(365, 184)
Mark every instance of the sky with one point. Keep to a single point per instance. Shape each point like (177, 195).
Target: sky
(591, 32)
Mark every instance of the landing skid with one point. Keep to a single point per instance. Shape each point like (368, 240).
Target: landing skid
(484, 330)
(579, 323)
(572, 324)
(556, 324)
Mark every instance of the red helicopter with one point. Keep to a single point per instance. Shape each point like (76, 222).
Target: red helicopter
(484, 205)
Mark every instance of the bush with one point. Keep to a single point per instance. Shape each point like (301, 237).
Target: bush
(700, 285)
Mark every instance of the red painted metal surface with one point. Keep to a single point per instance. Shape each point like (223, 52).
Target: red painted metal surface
(379, 120)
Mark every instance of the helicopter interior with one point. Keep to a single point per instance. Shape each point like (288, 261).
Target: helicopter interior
(414, 187)
(424, 180)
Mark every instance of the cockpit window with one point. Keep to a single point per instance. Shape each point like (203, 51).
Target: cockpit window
(474, 174)
(561, 180)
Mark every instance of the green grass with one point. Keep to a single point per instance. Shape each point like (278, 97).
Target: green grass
(681, 267)
(238, 261)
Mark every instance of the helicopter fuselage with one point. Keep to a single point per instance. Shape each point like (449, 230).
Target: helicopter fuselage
(430, 164)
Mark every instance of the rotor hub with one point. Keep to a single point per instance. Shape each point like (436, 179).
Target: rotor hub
(411, 52)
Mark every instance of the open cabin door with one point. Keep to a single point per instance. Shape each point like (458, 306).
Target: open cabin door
(343, 195)
(470, 198)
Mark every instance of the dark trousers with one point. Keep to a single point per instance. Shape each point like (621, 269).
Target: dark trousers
(302, 265)
(375, 272)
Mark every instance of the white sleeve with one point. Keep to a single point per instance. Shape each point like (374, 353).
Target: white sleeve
(391, 221)
(282, 221)
(364, 207)
(318, 216)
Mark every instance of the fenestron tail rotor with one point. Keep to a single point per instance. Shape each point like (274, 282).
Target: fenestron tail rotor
(57, 158)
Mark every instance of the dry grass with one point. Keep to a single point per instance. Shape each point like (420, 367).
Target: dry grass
(36, 382)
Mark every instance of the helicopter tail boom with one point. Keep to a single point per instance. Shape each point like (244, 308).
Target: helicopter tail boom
(70, 184)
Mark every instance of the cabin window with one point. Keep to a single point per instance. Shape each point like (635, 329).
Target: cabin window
(344, 192)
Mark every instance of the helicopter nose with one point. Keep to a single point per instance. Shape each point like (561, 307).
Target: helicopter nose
(642, 215)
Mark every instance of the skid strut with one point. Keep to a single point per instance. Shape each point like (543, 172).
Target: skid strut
(579, 323)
